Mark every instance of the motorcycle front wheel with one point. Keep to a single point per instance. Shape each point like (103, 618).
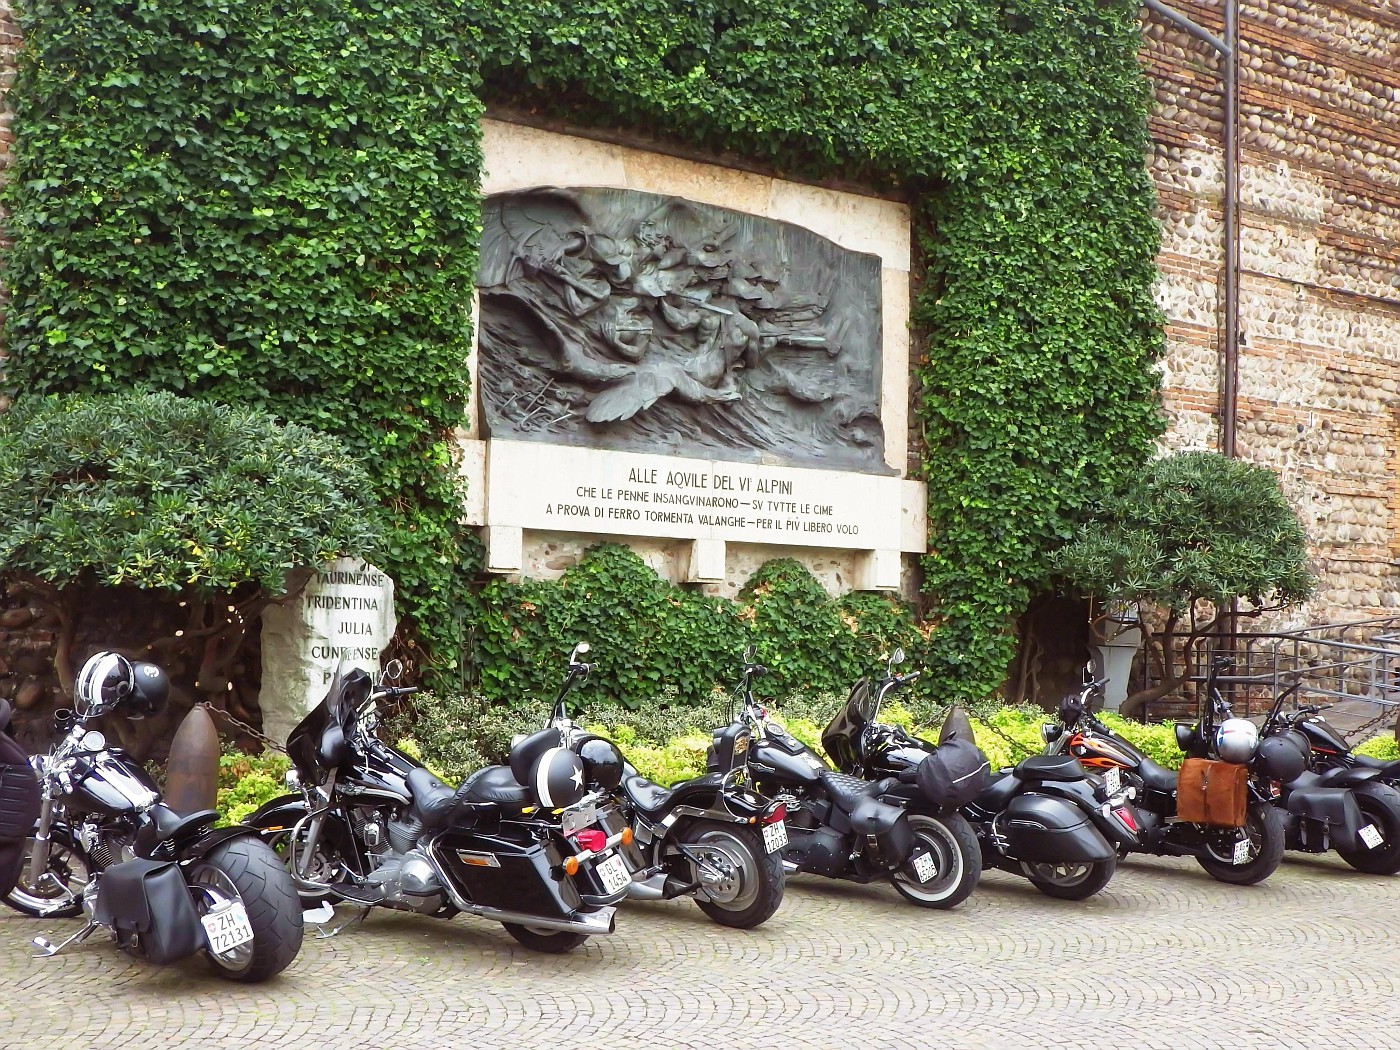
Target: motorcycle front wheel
(1263, 825)
(62, 882)
(741, 883)
(951, 844)
(248, 872)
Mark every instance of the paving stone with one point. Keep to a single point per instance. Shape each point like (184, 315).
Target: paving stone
(1165, 957)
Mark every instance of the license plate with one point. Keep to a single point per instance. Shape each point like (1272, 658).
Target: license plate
(1112, 780)
(924, 867)
(613, 873)
(774, 836)
(1371, 836)
(227, 927)
(1242, 851)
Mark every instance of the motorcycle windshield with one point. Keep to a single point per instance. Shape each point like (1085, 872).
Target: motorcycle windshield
(841, 738)
(348, 688)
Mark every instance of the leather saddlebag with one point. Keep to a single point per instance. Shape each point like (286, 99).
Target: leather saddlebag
(1210, 792)
(19, 807)
(149, 898)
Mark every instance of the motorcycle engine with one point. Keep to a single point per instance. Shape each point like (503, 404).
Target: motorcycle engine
(409, 882)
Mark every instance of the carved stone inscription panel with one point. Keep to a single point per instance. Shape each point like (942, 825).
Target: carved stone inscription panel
(625, 320)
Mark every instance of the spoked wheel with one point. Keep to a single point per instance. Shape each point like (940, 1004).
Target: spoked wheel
(741, 883)
(1072, 881)
(321, 868)
(540, 939)
(246, 871)
(945, 864)
(61, 884)
(1261, 849)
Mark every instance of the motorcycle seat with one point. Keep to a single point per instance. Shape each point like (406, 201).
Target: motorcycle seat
(646, 795)
(169, 824)
(652, 798)
(1050, 767)
(847, 792)
(433, 801)
(1159, 778)
(496, 785)
(1386, 769)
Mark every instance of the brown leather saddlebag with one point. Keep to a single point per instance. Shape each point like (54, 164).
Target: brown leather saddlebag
(1209, 792)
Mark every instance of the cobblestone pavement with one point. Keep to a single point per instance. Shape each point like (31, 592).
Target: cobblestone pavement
(1165, 957)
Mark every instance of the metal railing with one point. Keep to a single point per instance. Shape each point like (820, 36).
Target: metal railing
(1357, 661)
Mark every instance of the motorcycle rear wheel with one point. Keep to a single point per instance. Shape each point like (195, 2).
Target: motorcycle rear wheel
(1264, 825)
(751, 888)
(247, 870)
(551, 942)
(953, 845)
(70, 864)
(1070, 882)
(1380, 806)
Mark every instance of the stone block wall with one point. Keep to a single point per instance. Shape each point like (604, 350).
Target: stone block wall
(1319, 306)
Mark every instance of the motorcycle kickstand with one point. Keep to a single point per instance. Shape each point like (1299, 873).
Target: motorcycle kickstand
(47, 948)
(358, 917)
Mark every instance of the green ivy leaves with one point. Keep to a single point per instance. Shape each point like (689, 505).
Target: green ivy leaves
(276, 204)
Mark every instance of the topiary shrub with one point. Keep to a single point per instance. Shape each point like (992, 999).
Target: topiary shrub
(161, 495)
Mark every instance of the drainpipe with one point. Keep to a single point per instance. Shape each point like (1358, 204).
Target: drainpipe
(1229, 384)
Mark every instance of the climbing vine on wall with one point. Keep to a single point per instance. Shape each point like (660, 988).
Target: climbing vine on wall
(262, 203)
(277, 203)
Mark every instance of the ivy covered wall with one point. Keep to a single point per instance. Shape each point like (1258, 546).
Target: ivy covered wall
(277, 203)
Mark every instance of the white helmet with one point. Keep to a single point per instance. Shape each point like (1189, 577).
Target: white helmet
(105, 679)
(1236, 740)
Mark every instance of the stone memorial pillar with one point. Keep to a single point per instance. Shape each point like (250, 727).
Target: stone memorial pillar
(345, 615)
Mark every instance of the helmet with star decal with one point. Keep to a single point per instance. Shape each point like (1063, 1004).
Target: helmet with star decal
(557, 778)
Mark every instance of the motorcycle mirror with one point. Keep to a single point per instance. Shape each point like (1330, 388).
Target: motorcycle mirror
(897, 657)
(582, 649)
(393, 670)
(749, 653)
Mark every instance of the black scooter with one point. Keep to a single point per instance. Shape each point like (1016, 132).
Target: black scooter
(903, 827)
(711, 838)
(520, 844)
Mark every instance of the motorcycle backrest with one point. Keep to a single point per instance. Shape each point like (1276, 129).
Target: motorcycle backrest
(526, 752)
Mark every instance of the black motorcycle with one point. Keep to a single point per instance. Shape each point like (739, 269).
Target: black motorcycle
(167, 885)
(19, 803)
(711, 838)
(904, 828)
(1326, 803)
(1241, 853)
(522, 844)
(1051, 821)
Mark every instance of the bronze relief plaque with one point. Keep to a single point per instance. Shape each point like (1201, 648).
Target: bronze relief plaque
(633, 321)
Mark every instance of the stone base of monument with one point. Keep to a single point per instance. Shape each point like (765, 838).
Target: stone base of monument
(345, 617)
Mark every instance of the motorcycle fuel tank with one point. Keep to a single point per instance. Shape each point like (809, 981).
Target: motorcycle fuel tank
(784, 761)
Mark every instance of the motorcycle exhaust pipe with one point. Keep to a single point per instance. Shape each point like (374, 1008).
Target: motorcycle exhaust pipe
(598, 923)
(660, 887)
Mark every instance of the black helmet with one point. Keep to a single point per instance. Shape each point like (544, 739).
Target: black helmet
(103, 682)
(1281, 758)
(602, 762)
(557, 779)
(149, 692)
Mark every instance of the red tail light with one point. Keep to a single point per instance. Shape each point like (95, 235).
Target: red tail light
(592, 839)
(1125, 815)
(777, 813)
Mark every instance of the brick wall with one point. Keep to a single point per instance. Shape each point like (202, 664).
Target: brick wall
(1319, 307)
